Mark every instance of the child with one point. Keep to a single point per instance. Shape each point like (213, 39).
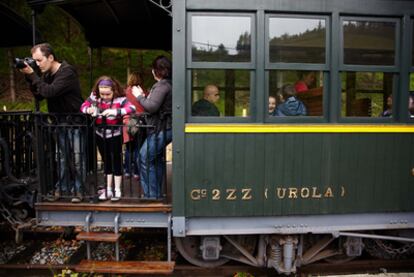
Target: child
(291, 106)
(133, 144)
(108, 103)
(272, 105)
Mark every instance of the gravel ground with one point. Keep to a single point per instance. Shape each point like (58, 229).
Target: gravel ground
(55, 252)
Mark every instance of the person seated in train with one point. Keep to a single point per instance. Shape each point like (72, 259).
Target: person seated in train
(273, 102)
(388, 111)
(411, 104)
(206, 106)
(291, 105)
(158, 104)
(108, 104)
(306, 82)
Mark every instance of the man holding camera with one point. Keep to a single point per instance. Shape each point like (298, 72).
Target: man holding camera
(59, 84)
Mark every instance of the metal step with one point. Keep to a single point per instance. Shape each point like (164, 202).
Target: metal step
(98, 236)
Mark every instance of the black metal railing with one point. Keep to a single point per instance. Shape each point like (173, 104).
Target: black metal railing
(18, 178)
(71, 165)
(17, 144)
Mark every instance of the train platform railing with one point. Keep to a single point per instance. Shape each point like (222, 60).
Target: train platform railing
(18, 168)
(17, 139)
(72, 168)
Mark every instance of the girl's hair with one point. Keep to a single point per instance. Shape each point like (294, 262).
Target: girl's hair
(162, 67)
(114, 84)
(278, 97)
(135, 79)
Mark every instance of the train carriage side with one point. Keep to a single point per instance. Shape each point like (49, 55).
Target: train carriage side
(324, 182)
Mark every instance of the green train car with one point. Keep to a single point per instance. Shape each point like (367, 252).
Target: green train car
(281, 187)
(293, 130)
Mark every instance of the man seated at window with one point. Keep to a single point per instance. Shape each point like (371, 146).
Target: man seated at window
(291, 105)
(206, 106)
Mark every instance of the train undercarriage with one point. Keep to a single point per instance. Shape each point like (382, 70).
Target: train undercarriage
(286, 253)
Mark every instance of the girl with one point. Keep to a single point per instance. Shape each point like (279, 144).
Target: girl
(108, 103)
(133, 143)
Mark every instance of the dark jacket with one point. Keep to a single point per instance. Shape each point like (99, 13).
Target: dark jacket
(61, 90)
(291, 107)
(158, 104)
(204, 108)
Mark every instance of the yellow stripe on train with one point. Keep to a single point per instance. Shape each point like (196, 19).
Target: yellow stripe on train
(308, 128)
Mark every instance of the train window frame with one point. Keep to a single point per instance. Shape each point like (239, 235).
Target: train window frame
(208, 65)
(217, 119)
(410, 31)
(321, 67)
(370, 19)
(393, 69)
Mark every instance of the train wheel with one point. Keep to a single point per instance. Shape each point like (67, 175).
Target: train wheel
(189, 248)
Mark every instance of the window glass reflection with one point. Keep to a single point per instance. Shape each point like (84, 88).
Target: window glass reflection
(220, 92)
(295, 93)
(369, 43)
(412, 44)
(221, 38)
(297, 40)
(367, 94)
(411, 96)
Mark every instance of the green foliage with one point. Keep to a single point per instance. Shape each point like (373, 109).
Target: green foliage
(243, 274)
(411, 88)
(70, 273)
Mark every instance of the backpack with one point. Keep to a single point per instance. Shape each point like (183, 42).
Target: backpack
(135, 123)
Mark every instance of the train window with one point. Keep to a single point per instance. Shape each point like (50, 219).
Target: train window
(412, 43)
(220, 38)
(369, 42)
(308, 86)
(367, 94)
(297, 40)
(411, 96)
(220, 92)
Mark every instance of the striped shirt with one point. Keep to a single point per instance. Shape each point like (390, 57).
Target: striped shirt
(121, 104)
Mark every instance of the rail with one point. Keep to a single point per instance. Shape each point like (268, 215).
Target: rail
(61, 150)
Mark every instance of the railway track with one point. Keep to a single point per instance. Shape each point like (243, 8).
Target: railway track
(142, 247)
(357, 267)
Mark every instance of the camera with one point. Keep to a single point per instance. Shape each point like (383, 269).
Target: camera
(19, 63)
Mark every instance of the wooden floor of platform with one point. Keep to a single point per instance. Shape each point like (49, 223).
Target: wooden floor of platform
(121, 206)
